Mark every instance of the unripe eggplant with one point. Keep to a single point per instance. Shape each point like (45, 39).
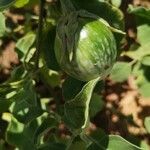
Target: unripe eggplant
(85, 46)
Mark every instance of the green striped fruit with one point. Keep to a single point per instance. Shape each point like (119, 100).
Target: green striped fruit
(85, 47)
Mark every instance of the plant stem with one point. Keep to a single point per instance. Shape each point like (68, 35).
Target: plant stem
(39, 34)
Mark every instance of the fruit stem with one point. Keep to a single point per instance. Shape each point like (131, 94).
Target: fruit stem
(39, 33)
(67, 6)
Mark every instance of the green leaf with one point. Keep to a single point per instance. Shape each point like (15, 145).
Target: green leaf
(146, 60)
(25, 43)
(120, 143)
(141, 52)
(77, 110)
(26, 106)
(5, 4)
(144, 145)
(111, 14)
(120, 71)
(21, 3)
(141, 74)
(71, 87)
(25, 113)
(140, 11)
(50, 77)
(142, 77)
(47, 124)
(147, 124)
(5, 91)
(113, 142)
(2, 25)
(8, 92)
(19, 135)
(143, 34)
(144, 89)
(17, 74)
(96, 104)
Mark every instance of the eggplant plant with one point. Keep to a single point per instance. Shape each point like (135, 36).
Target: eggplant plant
(67, 50)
